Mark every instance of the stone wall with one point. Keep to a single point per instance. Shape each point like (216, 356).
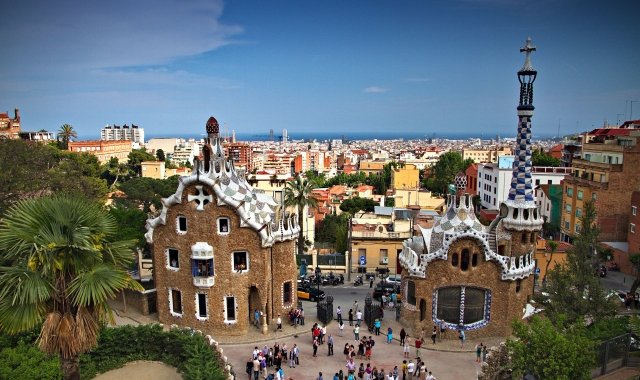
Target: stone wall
(251, 288)
(506, 303)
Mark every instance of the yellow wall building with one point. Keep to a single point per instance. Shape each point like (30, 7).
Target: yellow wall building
(405, 178)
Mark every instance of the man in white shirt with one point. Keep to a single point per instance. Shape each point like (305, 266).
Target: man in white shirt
(410, 367)
(358, 317)
(430, 376)
(279, 323)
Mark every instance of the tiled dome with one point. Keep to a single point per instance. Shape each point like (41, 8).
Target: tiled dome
(212, 125)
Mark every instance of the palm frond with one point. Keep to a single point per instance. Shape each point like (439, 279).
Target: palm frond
(87, 329)
(17, 319)
(21, 286)
(96, 286)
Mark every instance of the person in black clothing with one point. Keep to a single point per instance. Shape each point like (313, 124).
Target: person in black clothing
(403, 335)
(350, 317)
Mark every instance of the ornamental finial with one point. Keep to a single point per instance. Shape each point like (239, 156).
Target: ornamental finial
(527, 49)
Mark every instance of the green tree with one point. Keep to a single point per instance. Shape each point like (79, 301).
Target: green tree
(356, 204)
(297, 193)
(136, 156)
(64, 268)
(66, 134)
(541, 158)
(574, 290)
(543, 350)
(445, 170)
(160, 155)
(131, 224)
(32, 170)
(113, 170)
(146, 192)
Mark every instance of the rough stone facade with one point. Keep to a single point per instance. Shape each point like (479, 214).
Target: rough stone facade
(219, 250)
(508, 298)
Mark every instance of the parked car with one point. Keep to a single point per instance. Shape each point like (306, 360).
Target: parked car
(310, 293)
(394, 279)
(385, 287)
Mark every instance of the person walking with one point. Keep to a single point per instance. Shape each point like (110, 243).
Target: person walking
(406, 348)
(434, 334)
(377, 324)
(296, 354)
(430, 377)
(350, 317)
(340, 328)
(418, 346)
(319, 376)
(256, 368)
(339, 314)
(484, 353)
(443, 329)
(478, 352)
(403, 335)
(462, 338)
(330, 345)
(356, 332)
(256, 318)
(389, 335)
(315, 347)
(358, 317)
(279, 323)
(301, 317)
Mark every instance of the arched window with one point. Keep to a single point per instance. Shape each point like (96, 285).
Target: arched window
(460, 305)
(525, 237)
(411, 293)
(454, 259)
(474, 260)
(518, 285)
(464, 259)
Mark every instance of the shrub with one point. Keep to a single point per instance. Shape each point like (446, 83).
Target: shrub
(183, 349)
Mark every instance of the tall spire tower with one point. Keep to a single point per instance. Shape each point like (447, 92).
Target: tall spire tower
(520, 210)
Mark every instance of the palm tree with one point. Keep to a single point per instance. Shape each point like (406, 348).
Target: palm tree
(62, 265)
(297, 193)
(66, 133)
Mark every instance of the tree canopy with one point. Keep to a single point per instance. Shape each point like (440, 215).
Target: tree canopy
(297, 193)
(574, 291)
(540, 158)
(543, 350)
(32, 169)
(356, 204)
(445, 170)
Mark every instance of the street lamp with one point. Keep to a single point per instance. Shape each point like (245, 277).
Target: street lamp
(318, 271)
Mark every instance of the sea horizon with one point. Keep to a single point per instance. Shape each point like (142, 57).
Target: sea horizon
(325, 136)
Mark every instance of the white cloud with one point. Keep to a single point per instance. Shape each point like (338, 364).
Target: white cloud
(75, 35)
(374, 90)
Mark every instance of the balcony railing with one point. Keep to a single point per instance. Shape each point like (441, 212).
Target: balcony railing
(203, 282)
(584, 164)
(586, 182)
(380, 235)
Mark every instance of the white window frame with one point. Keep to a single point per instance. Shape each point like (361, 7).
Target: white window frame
(206, 301)
(233, 262)
(175, 314)
(226, 312)
(178, 230)
(218, 226)
(634, 210)
(168, 257)
(632, 228)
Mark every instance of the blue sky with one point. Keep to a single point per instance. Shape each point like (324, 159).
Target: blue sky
(344, 66)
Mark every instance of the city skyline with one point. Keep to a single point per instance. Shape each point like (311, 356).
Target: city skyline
(360, 67)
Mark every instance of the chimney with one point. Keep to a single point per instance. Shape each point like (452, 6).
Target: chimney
(17, 111)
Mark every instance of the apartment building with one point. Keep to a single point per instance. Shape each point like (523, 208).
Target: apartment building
(607, 173)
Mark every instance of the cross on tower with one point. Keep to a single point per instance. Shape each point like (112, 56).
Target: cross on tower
(527, 49)
(201, 199)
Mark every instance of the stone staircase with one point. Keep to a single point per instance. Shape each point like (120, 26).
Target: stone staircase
(492, 240)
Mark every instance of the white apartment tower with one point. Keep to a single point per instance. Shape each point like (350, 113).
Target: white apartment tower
(125, 132)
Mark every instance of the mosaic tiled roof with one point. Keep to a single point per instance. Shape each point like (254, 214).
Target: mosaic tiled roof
(255, 209)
